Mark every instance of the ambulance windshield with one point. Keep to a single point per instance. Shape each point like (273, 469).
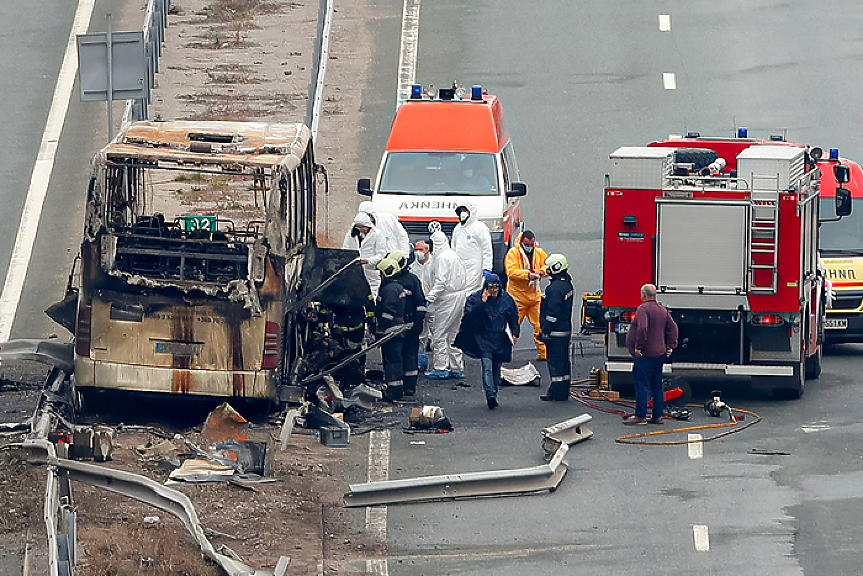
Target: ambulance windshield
(440, 174)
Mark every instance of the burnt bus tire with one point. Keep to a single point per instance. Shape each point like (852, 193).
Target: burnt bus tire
(698, 157)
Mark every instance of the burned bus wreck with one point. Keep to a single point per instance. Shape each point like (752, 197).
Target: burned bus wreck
(198, 255)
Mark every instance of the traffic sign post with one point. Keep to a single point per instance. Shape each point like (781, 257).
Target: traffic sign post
(113, 66)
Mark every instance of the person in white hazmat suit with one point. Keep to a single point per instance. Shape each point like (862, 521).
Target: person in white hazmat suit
(365, 238)
(471, 240)
(389, 227)
(446, 306)
(423, 268)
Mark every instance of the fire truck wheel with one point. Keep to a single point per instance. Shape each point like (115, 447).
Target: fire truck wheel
(813, 364)
(621, 382)
(699, 157)
(790, 387)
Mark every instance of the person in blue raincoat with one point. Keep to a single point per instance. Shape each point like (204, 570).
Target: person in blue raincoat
(489, 328)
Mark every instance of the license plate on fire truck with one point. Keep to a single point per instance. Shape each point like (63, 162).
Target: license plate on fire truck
(836, 323)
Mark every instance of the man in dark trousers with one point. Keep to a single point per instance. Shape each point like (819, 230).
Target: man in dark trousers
(555, 319)
(390, 313)
(651, 338)
(415, 311)
(489, 328)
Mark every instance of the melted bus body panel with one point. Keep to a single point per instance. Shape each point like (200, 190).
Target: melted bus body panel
(193, 245)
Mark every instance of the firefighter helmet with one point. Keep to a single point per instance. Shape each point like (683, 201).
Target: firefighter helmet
(399, 257)
(556, 263)
(388, 267)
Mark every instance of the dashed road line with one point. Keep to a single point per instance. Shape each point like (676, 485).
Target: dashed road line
(669, 81)
(41, 176)
(695, 446)
(701, 537)
(665, 22)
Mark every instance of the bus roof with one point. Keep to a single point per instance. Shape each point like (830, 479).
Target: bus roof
(240, 145)
(449, 126)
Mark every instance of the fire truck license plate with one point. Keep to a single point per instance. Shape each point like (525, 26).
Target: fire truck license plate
(836, 323)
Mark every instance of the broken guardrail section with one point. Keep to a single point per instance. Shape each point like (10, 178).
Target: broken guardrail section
(476, 484)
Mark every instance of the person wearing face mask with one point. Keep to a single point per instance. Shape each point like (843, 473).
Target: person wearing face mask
(365, 238)
(423, 268)
(471, 240)
(446, 304)
(525, 266)
(389, 227)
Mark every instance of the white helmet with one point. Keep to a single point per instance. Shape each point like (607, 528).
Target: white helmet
(556, 263)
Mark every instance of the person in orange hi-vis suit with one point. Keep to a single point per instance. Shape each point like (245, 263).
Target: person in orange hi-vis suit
(525, 266)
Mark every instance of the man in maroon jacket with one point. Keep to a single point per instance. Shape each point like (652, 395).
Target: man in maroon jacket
(651, 338)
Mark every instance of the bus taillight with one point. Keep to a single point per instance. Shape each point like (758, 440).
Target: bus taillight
(82, 332)
(272, 346)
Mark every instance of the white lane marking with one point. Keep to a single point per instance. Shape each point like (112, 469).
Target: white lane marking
(695, 446)
(815, 427)
(376, 516)
(669, 81)
(41, 175)
(408, 49)
(702, 538)
(665, 22)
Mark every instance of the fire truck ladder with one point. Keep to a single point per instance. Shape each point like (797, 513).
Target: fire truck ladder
(763, 234)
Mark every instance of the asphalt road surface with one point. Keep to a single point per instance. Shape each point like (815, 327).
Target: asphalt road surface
(577, 81)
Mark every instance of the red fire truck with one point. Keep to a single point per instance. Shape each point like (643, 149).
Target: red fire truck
(727, 229)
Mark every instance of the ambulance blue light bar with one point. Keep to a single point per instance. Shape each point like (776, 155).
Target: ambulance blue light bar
(834, 153)
(742, 132)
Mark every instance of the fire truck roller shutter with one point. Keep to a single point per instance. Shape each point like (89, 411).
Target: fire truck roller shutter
(698, 157)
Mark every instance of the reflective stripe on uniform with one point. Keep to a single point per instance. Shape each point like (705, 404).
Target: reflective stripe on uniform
(560, 378)
(422, 309)
(387, 316)
(559, 334)
(394, 383)
(551, 318)
(412, 373)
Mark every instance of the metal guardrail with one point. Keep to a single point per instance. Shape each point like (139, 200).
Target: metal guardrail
(155, 22)
(319, 67)
(475, 484)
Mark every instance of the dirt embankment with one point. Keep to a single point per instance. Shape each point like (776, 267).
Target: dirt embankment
(252, 60)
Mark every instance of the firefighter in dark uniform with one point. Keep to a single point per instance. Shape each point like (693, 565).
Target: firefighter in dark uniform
(555, 317)
(415, 311)
(390, 313)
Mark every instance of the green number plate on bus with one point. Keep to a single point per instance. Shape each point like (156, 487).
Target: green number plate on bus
(199, 223)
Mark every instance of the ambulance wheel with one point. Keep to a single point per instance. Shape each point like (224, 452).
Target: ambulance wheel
(698, 157)
(790, 387)
(813, 364)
